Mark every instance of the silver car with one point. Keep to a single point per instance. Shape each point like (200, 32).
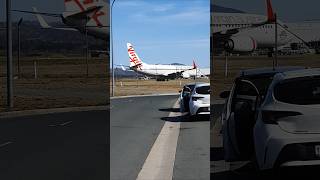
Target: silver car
(287, 131)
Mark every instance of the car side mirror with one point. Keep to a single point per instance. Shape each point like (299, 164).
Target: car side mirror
(224, 94)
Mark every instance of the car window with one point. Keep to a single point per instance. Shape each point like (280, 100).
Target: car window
(301, 91)
(262, 82)
(203, 90)
(191, 87)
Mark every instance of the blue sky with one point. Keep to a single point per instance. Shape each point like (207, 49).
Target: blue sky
(162, 31)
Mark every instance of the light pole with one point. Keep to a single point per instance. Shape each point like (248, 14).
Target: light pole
(87, 52)
(19, 45)
(276, 41)
(9, 56)
(112, 61)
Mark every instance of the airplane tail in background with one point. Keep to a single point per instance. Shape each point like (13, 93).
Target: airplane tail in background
(194, 65)
(96, 10)
(271, 17)
(80, 5)
(135, 61)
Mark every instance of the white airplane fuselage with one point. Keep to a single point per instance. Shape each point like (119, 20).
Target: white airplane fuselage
(263, 36)
(160, 69)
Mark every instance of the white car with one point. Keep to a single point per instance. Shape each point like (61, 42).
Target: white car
(185, 96)
(199, 103)
(245, 137)
(287, 130)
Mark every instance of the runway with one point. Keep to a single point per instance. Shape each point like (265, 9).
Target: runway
(71, 145)
(136, 123)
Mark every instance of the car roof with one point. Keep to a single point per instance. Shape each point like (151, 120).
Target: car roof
(268, 70)
(194, 83)
(299, 73)
(202, 84)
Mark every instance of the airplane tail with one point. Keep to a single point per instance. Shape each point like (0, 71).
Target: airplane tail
(194, 65)
(80, 5)
(96, 10)
(271, 16)
(135, 61)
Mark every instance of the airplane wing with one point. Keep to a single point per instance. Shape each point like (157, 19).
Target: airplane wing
(43, 22)
(42, 13)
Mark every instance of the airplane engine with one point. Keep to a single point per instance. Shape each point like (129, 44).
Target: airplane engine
(241, 44)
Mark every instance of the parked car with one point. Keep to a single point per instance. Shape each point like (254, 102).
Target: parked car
(240, 111)
(199, 103)
(287, 131)
(185, 94)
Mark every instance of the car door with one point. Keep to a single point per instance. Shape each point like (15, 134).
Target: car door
(239, 121)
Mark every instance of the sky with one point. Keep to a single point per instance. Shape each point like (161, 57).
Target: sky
(287, 10)
(162, 31)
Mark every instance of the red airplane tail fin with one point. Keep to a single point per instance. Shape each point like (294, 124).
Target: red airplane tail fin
(194, 65)
(271, 15)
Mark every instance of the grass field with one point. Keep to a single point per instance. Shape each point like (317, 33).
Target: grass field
(126, 87)
(60, 82)
(236, 64)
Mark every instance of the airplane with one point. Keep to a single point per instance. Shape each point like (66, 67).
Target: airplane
(80, 15)
(159, 71)
(244, 33)
(196, 73)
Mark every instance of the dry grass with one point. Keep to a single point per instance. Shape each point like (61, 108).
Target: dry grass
(236, 64)
(126, 87)
(61, 82)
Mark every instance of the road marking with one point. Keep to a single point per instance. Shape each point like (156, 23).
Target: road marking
(147, 95)
(160, 161)
(5, 144)
(62, 124)
(66, 123)
(15, 114)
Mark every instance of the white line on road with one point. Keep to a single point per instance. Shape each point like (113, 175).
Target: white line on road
(5, 144)
(62, 124)
(160, 161)
(66, 123)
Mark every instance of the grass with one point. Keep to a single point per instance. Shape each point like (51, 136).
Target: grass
(236, 64)
(61, 82)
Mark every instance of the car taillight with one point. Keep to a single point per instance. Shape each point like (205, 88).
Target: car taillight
(271, 117)
(196, 98)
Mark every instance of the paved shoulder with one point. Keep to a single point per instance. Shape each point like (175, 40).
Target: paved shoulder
(135, 126)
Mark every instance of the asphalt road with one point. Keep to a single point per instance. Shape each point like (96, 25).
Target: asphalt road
(136, 124)
(57, 146)
(221, 170)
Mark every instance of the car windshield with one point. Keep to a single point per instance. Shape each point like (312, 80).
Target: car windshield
(203, 90)
(301, 91)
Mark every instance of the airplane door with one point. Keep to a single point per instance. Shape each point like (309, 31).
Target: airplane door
(238, 127)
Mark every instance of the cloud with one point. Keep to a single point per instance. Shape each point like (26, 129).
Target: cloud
(187, 16)
(164, 8)
(191, 43)
(191, 12)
